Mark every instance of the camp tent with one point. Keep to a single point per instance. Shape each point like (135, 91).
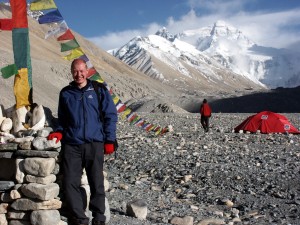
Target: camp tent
(267, 122)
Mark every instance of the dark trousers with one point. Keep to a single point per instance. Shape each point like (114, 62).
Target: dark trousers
(76, 157)
(205, 122)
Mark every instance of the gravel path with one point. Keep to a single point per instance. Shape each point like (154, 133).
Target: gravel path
(220, 176)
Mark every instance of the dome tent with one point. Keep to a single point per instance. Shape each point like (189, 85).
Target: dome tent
(267, 122)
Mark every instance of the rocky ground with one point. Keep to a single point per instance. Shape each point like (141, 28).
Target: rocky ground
(217, 177)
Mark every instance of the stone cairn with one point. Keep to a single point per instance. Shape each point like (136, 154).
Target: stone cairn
(29, 167)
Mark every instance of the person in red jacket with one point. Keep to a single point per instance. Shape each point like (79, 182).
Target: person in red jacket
(205, 112)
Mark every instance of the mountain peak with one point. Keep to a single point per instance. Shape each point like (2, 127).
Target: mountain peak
(163, 32)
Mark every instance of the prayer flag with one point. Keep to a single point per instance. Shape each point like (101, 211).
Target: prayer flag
(39, 5)
(19, 13)
(146, 125)
(97, 77)
(67, 46)
(130, 116)
(9, 71)
(158, 131)
(165, 130)
(149, 128)
(66, 36)
(51, 17)
(6, 24)
(75, 53)
(126, 112)
(22, 89)
(115, 98)
(91, 72)
(140, 122)
(134, 120)
(58, 28)
(120, 107)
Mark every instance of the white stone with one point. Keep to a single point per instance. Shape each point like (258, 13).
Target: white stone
(2, 118)
(41, 143)
(19, 118)
(6, 125)
(24, 139)
(25, 204)
(45, 217)
(3, 220)
(84, 179)
(41, 191)
(106, 185)
(3, 208)
(1, 111)
(39, 166)
(18, 215)
(15, 194)
(20, 171)
(137, 208)
(38, 118)
(40, 180)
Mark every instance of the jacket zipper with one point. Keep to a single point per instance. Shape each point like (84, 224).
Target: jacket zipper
(84, 114)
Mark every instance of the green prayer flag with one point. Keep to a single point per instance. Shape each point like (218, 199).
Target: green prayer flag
(69, 45)
(9, 71)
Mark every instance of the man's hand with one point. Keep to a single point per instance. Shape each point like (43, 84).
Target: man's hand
(57, 135)
(109, 147)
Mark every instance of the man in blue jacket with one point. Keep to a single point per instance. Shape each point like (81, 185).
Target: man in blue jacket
(87, 134)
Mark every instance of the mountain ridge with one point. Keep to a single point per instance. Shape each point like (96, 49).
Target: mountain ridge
(222, 43)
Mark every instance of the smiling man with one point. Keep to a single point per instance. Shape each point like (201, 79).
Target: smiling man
(87, 128)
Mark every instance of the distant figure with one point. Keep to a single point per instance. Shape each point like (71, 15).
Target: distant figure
(205, 112)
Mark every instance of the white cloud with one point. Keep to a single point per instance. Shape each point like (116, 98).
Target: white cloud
(270, 29)
(116, 39)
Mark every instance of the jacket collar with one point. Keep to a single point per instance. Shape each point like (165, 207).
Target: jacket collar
(88, 84)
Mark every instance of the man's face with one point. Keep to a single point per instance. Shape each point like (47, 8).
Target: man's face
(80, 72)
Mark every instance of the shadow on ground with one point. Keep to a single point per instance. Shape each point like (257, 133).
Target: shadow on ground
(280, 100)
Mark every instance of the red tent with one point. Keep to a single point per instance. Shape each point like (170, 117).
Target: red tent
(267, 122)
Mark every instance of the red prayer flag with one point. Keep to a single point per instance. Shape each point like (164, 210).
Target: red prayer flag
(91, 72)
(6, 24)
(19, 13)
(66, 36)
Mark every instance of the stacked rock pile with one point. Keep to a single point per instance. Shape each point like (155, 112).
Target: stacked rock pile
(31, 196)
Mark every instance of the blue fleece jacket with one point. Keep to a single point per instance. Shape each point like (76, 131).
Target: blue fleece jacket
(79, 116)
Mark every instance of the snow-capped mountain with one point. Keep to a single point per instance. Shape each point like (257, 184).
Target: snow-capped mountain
(177, 63)
(204, 55)
(225, 43)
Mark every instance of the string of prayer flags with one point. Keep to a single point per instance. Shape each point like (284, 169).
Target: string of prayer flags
(69, 43)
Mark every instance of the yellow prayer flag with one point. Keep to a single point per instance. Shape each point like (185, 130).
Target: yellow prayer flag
(42, 5)
(158, 131)
(22, 89)
(116, 99)
(126, 112)
(75, 53)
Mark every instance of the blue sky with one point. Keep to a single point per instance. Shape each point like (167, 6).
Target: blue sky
(110, 24)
